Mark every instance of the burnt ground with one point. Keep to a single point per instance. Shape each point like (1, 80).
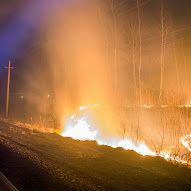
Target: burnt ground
(35, 161)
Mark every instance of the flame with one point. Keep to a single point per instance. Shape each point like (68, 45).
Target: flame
(81, 130)
(128, 144)
(164, 106)
(146, 106)
(186, 141)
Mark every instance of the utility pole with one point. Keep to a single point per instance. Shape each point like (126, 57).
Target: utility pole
(8, 84)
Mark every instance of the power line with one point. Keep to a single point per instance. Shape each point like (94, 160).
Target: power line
(129, 10)
(121, 3)
(179, 30)
(167, 44)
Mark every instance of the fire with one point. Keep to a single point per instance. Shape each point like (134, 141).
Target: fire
(186, 141)
(146, 106)
(81, 130)
(128, 144)
(80, 127)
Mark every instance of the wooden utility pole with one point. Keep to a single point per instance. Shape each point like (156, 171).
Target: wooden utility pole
(8, 84)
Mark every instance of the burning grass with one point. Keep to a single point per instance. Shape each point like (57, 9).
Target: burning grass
(146, 130)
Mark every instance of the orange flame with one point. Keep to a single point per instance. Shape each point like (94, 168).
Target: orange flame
(81, 130)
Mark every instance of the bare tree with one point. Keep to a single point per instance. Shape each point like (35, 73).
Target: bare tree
(176, 64)
(123, 130)
(133, 29)
(162, 50)
(112, 6)
(140, 51)
(105, 34)
(132, 36)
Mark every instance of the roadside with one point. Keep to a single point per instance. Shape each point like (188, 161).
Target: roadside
(33, 160)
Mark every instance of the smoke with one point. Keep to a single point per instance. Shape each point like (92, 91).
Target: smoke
(90, 55)
(16, 32)
(89, 52)
(75, 47)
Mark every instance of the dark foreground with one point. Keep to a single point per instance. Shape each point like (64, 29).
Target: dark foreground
(35, 161)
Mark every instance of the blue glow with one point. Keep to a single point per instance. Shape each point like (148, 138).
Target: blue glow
(18, 31)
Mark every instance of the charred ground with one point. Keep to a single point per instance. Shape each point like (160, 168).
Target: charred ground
(33, 160)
